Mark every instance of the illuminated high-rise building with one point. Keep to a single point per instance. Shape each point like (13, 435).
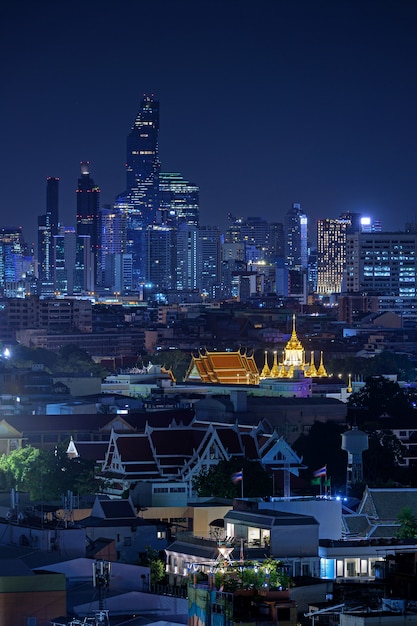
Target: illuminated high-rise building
(383, 264)
(296, 240)
(142, 162)
(73, 262)
(178, 199)
(160, 258)
(48, 225)
(186, 271)
(11, 255)
(331, 255)
(88, 214)
(209, 260)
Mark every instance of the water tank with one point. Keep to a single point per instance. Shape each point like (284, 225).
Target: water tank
(354, 441)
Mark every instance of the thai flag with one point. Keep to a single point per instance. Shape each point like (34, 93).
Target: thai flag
(237, 476)
(320, 472)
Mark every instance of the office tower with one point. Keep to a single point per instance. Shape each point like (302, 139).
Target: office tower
(48, 225)
(276, 243)
(113, 241)
(331, 255)
(208, 271)
(52, 202)
(73, 263)
(160, 258)
(233, 231)
(178, 200)
(11, 255)
(296, 241)
(88, 214)
(232, 260)
(142, 162)
(382, 264)
(186, 258)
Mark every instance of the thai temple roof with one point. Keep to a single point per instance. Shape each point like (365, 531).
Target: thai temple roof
(234, 368)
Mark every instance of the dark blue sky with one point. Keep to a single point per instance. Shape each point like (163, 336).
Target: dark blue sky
(263, 103)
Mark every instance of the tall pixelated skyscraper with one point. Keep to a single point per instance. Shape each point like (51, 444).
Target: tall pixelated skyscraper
(142, 162)
(140, 200)
(88, 214)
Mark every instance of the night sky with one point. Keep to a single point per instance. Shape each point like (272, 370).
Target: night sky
(263, 103)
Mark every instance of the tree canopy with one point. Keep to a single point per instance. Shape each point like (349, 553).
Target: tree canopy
(408, 524)
(379, 396)
(386, 362)
(70, 359)
(46, 474)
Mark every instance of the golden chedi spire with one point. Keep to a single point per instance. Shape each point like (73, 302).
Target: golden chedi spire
(266, 372)
(294, 351)
(311, 370)
(321, 370)
(275, 373)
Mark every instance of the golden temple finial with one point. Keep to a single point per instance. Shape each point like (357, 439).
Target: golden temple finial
(275, 369)
(311, 371)
(349, 387)
(322, 370)
(266, 372)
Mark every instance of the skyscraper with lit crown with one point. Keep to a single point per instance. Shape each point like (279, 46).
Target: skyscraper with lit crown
(88, 214)
(142, 162)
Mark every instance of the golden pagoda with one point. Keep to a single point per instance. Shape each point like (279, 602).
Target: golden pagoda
(293, 360)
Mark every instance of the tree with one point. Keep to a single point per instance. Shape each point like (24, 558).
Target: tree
(156, 564)
(382, 459)
(176, 360)
(377, 397)
(386, 362)
(408, 524)
(217, 481)
(47, 474)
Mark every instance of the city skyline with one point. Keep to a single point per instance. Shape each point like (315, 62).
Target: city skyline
(261, 106)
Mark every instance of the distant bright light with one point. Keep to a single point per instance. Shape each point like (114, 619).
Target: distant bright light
(6, 353)
(365, 221)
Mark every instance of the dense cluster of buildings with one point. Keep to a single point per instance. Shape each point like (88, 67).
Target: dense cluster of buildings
(150, 244)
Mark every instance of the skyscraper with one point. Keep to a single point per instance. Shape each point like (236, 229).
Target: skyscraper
(297, 247)
(88, 214)
(142, 162)
(331, 255)
(140, 200)
(178, 199)
(48, 225)
(11, 255)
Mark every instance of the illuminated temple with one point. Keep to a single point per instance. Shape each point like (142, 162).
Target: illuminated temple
(239, 368)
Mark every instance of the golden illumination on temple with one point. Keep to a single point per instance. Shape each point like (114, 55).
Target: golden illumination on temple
(293, 360)
(239, 368)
